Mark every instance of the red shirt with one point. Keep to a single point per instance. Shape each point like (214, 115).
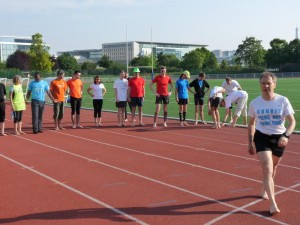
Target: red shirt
(76, 87)
(162, 84)
(137, 86)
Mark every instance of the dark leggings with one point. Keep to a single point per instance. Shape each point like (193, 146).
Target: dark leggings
(97, 103)
(18, 116)
(2, 112)
(75, 105)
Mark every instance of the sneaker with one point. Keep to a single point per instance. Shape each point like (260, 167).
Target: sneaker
(126, 120)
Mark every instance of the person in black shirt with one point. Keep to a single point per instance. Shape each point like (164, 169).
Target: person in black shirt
(2, 108)
(201, 87)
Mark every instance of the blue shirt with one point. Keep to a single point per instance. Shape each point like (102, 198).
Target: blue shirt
(182, 88)
(38, 89)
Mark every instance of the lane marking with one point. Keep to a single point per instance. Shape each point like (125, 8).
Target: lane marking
(241, 190)
(74, 190)
(162, 183)
(162, 203)
(248, 205)
(114, 184)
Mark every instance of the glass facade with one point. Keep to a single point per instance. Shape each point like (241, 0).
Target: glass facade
(91, 55)
(8, 45)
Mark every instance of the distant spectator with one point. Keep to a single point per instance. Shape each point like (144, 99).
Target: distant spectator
(2, 108)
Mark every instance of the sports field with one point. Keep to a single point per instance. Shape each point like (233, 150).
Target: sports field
(288, 87)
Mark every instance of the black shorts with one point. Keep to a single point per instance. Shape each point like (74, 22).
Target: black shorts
(264, 142)
(162, 99)
(215, 102)
(183, 101)
(121, 104)
(136, 101)
(198, 100)
(2, 112)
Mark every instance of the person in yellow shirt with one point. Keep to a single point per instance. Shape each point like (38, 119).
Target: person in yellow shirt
(58, 88)
(17, 100)
(76, 87)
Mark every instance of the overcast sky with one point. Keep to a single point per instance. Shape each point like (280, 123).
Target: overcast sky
(86, 24)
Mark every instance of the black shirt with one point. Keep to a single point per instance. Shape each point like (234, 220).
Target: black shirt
(200, 91)
(2, 92)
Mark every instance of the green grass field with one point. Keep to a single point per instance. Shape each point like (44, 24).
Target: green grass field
(288, 87)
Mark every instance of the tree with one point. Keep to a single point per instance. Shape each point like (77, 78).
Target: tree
(105, 62)
(211, 61)
(141, 61)
(250, 53)
(88, 66)
(18, 60)
(193, 59)
(39, 56)
(294, 51)
(2, 65)
(67, 62)
(277, 55)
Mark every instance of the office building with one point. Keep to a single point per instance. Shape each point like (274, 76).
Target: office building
(90, 55)
(10, 44)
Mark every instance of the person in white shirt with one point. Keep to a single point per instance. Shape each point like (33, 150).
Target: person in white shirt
(241, 98)
(268, 113)
(230, 86)
(213, 105)
(98, 91)
(120, 87)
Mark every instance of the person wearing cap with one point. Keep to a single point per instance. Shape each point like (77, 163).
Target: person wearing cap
(58, 88)
(162, 93)
(136, 94)
(120, 87)
(201, 87)
(181, 96)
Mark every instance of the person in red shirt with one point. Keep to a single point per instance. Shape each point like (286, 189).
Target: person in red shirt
(136, 94)
(162, 93)
(76, 87)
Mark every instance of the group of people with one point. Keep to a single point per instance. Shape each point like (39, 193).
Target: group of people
(267, 134)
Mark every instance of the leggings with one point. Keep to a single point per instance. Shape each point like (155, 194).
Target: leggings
(97, 103)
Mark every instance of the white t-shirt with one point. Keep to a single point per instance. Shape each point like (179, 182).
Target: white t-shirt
(121, 86)
(214, 90)
(97, 90)
(270, 115)
(234, 97)
(232, 87)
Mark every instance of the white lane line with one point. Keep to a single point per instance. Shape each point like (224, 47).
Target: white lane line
(162, 203)
(248, 205)
(75, 190)
(190, 147)
(153, 180)
(152, 155)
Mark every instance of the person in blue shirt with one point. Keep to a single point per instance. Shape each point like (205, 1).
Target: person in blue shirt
(37, 89)
(201, 87)
(181, 96)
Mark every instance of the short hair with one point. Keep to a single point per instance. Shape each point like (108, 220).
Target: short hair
(268, 74)
(163, 68)
(77, 71)
(37, 74)
(201, 74)
(228, 79)
(60, 72)
(16, 78)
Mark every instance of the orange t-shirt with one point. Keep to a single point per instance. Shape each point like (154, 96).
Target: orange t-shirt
(76, 87)
(58, 89)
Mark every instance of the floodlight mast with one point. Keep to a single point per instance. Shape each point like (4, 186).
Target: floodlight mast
(126, 51)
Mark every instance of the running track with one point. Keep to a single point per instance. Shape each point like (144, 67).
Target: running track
(139, 175)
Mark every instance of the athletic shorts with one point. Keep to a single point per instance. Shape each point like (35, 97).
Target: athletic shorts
(264, 142)
(215, 102)
(183, 101)
(121, 104)
(136, 101)
(162, 99)
(199, 100)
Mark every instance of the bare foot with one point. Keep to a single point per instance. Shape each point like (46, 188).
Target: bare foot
(274, 210)
(264, 194)
(56, 128)
(61, 128)
(3, 134)
(21, 132)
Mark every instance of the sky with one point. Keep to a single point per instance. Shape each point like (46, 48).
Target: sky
(86, 24)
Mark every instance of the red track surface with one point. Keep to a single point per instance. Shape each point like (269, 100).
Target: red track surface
(139, 175)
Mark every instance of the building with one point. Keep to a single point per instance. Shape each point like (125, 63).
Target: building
(10, 44)
(118, 51)
(87, 55)
(224, 55)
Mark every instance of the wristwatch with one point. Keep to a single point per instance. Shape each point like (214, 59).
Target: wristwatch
(286, 134)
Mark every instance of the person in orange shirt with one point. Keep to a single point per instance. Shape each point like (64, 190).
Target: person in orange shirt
(76, 87)
(58, 88)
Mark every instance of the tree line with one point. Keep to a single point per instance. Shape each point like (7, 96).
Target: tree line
(249, 56)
